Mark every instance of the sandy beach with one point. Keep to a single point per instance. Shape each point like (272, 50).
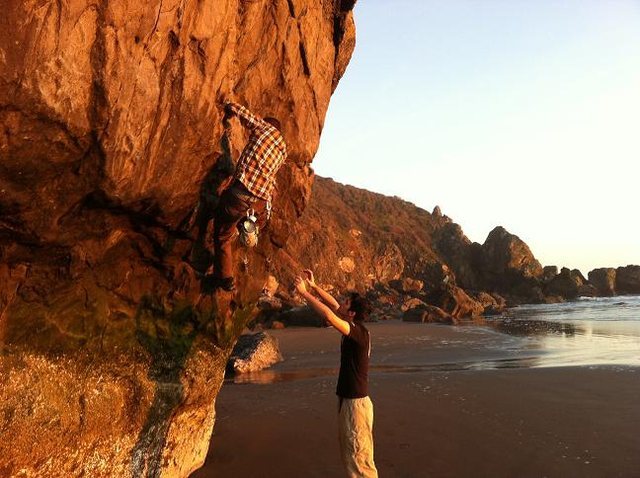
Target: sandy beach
(449, 402)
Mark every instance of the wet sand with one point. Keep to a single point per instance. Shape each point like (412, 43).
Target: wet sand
(449, 402)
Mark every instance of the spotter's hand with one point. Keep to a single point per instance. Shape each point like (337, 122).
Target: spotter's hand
(308, 274)
(301, 286)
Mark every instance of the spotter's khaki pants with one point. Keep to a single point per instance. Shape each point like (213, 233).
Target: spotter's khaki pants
(355, 425)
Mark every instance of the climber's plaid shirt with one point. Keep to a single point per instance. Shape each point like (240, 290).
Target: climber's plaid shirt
(262, 156)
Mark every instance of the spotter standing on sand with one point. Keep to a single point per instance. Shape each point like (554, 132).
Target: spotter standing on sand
(355, 410)
(249, 189)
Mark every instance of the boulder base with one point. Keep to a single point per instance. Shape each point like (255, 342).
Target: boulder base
(254, 352)
(428, 314)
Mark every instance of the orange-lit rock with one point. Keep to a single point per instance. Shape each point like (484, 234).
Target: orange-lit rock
(111, 146)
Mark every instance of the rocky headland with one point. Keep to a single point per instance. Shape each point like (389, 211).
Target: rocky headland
(418, 265)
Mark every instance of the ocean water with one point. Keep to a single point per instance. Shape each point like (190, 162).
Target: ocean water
(589, 331)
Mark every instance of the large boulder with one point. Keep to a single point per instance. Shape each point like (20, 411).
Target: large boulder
(254, 352)
(111, 144)
(628, 280)
(604, 280)
(492, 303)
(587, 290)
(428, 314)
(508, 266)
(455, 301)
(570, 284)
(505, 252)
(411, 303)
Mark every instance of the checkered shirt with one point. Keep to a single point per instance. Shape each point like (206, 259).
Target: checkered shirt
(262, 156)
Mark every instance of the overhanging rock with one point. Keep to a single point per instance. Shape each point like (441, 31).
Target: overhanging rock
(111, 144)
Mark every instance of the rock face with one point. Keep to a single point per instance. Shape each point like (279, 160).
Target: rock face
(114, 418)
(455, 301)
(508, 266)
(457, 251)
(386, 238)
(493, 303)
(570, 284)
(388, 263)
(628, 280)
(398, 252)
(394, 242)
(549, 272)
(409, 285)
(110, 148)
(604, 280)
(566, 284)
(254, 352)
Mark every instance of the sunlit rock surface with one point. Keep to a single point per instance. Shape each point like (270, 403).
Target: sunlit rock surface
(396, 252)
(388, 239)
(111, 146)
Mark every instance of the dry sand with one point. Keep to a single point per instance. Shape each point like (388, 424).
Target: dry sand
(441, 410)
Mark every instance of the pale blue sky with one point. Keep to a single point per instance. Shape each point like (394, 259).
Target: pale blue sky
(524, 114)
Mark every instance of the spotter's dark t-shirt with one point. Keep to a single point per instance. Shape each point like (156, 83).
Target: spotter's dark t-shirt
(354, 362)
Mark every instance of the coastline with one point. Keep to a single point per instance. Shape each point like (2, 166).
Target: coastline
(449, 417)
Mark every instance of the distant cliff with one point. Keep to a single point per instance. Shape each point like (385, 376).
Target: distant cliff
(356, 239)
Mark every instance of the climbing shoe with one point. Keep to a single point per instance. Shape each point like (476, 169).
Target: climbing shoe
(227, 284)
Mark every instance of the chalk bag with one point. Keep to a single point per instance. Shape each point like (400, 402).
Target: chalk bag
(248, 229)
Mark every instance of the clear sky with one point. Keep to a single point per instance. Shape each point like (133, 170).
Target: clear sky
(519, 113)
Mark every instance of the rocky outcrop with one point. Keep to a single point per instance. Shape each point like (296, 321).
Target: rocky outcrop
(355, 239)
(110, 149)
(457, 251)
(604, 280)
(411, 303)
(570, 284)
(390, 243)
(548, 273)
(121, 417)
(493, 304)
(428, 314)
(505, 253)
(454, 301)
(628, 280)
(508, 266)
(387, 239)
(564, 284)
(254, 352)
